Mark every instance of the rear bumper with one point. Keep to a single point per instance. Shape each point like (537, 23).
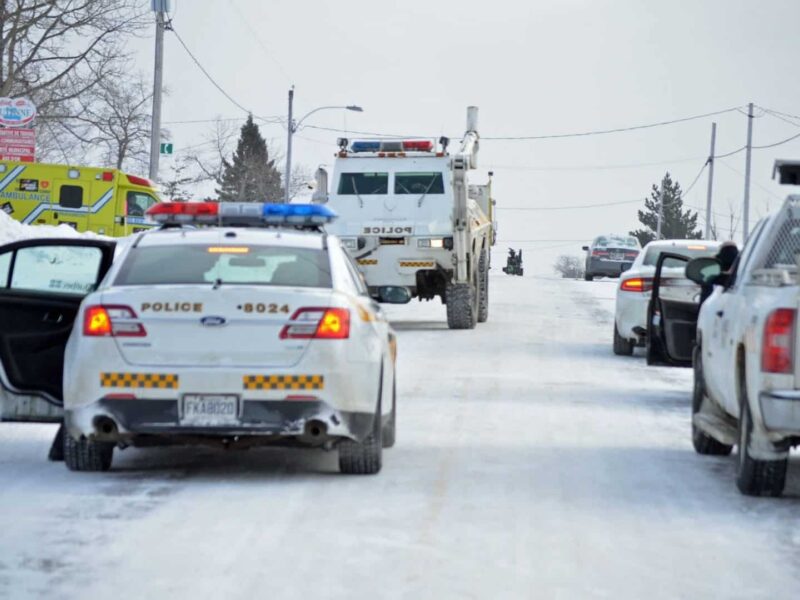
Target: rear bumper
(610, 268)
(631, 313)
(780, 411)
(274, 421)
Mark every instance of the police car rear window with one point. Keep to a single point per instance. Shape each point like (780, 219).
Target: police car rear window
(226, 264)
(363, 184)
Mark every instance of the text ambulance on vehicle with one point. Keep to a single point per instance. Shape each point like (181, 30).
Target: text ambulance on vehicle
(106, 201)
(246, 333)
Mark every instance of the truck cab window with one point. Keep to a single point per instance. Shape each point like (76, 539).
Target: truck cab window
(71, 196)
(363, 184)
(138, 203)
(418, 183)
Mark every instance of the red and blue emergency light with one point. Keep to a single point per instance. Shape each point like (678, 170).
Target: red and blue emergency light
(392, 146)
(240, 214)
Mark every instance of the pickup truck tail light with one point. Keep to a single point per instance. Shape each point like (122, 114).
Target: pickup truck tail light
(111, 321)
(318, 323)
(636, 284)
(777, 352)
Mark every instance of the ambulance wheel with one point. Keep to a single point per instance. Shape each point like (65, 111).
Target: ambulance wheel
(86, 455)
(461, 306)
(364, 457)
(390, 429)
(483, 297)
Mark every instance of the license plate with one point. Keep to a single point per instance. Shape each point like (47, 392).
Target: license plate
(206, 409)
(614, 256)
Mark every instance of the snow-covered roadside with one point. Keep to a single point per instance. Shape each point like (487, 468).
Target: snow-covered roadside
(11, 231)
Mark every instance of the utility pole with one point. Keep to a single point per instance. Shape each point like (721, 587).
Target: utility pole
(710, 179)
(749, 154)
(290, 128)
(160, 7)
(660, 208)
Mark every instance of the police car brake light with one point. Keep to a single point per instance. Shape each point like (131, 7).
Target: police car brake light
(111, 321)
(317, 323)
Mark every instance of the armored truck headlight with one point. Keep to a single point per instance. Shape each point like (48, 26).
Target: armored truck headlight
(350, 243)
(430, 243)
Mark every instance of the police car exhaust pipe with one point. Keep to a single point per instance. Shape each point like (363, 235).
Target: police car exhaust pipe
(105, 426)
(316, 429)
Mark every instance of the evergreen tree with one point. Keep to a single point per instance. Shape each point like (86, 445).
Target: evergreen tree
(676, 223)
(250, 176)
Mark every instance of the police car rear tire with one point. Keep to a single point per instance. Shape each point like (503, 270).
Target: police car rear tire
(390, 429)
(461, 306)
(364, 457)
(483, 297)
(622, 346)
(86, 455)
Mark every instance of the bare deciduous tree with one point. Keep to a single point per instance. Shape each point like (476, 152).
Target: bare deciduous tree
(569, 266)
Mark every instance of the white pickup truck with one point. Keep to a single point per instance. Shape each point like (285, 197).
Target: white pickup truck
(743, 345)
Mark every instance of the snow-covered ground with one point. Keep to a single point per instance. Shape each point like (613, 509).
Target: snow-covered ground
(531, 463)
(12, 230)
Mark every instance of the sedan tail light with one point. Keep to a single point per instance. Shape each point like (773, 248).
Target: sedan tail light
(318, 323)
(599, 252)
(111, 321)
(637, 284)
(777, 353)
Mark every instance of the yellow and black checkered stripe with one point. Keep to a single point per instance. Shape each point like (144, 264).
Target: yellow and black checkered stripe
(368, 261)
(284, 382)
(164, 381)
(419, 264)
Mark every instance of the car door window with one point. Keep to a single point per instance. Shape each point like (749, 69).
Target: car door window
(743, 260)
(358, 280)
(5, 266)
(69, 270)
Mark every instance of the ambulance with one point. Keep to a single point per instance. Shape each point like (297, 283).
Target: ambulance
(106, 201)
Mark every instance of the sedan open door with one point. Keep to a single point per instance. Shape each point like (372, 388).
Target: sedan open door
(42, 284)
(672, 314)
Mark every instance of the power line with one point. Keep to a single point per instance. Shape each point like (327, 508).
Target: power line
(787, 140)
(259, 41)
(206, 73)
(571, 207)
(277, 120)
(596, 167)
(616, 130)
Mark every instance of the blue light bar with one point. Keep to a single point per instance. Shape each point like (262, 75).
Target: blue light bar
(363, 146)
(298, 214)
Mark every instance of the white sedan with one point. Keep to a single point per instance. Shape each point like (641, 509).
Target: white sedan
(227, 335)
(633, 292)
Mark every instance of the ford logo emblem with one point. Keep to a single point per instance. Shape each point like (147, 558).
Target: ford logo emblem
(213, 321)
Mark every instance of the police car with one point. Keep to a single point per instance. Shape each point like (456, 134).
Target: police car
(247, 332)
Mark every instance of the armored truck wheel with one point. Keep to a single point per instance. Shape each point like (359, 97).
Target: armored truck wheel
(483, 296)
(462, 307)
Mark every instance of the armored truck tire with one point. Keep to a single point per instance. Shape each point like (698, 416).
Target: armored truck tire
(621, 346)
(462, 306)
(702, 442)
(483, 297)
(756, 477)
(87, 455)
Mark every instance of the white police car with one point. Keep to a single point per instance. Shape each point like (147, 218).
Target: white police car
(230, 334)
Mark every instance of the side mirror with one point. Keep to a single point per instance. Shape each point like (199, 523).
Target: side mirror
(361, 243)
(703, 270)
(394, 294)
(585, 248)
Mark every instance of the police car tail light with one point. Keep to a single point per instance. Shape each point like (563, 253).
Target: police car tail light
(637, 284)
(111, 321)
(777, 352)
(318, 323)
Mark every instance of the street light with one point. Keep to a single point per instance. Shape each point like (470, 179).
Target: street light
(293, 126)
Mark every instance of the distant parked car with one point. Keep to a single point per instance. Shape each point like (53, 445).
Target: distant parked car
(609, 255)
(633, 292)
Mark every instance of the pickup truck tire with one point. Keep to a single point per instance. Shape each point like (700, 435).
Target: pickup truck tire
(364, 457)
(756, 477)
(702, 442)
(86, 455)
(622, 346)
(462, 309)
(483, 295)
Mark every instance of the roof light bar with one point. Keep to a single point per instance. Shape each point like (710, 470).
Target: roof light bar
(240, 214)
(392, 146)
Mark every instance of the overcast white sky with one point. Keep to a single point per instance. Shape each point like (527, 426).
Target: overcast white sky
(533, 67)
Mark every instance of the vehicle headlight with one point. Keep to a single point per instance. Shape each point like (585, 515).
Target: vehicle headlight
(430, 243)
(350, 243)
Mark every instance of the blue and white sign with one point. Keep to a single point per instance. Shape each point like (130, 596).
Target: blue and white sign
(16, 112)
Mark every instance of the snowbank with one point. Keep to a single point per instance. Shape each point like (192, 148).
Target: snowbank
(11, 231)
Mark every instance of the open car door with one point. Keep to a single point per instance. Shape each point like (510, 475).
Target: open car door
(42, 284)
(671, 321)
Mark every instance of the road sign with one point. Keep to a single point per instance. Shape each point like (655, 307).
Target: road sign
(166, 148)
(17, 144)
(16, 112)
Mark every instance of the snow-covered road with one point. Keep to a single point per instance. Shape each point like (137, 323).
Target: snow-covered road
(531, 463)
